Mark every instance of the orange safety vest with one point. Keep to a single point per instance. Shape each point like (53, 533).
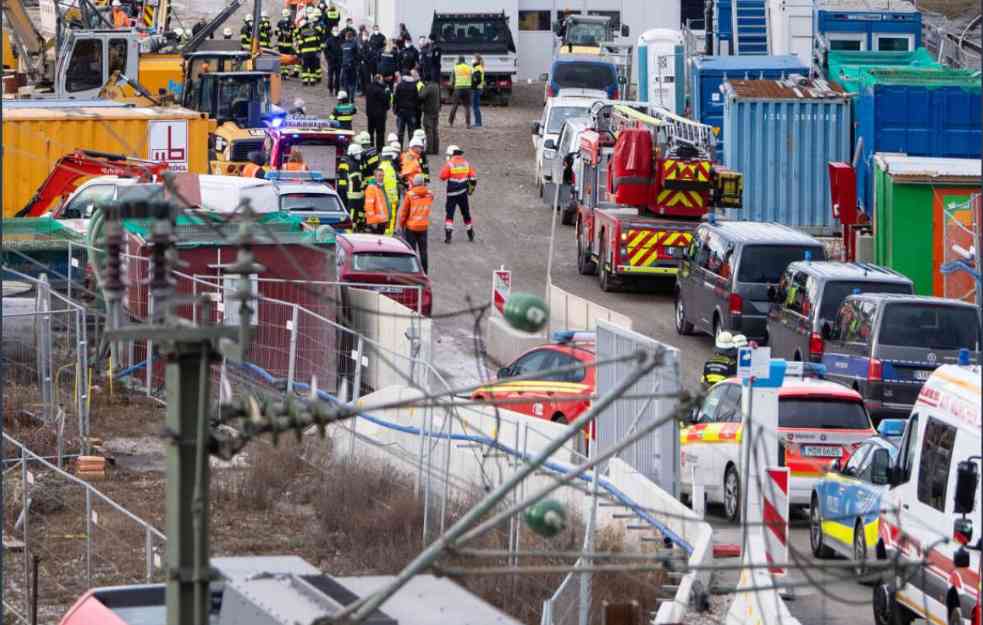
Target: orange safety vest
(250, 170)
(376, 207)
(414, 214)
(120, 19)
(458, 173)
(294, 166)
(411, 166)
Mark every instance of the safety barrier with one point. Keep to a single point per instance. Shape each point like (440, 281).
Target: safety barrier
(572, 312)
(757, 599)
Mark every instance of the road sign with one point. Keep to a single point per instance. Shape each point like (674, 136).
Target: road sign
(167, 141)
(753, 362)
(501, 288)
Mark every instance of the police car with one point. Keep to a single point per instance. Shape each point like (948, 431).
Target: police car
(559, 396)
(819, 423)
(846, 503)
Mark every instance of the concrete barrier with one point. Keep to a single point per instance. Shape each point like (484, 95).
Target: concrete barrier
(388, 354)
(676, 517)
(572, 312)
(764, 606)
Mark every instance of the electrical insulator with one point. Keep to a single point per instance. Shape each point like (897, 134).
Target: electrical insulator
(113, 270)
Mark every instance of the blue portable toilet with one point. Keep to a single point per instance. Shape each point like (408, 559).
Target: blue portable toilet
(661, 69)
(710, 72)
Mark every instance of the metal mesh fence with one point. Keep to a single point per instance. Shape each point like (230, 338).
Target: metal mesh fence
(960, 226)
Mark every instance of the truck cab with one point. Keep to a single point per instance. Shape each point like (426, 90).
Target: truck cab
(487, 34)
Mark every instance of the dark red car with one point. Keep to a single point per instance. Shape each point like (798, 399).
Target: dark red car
(387, 265)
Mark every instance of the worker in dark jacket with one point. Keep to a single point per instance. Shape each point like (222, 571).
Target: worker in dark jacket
(332, 55)
(285, 44)
(377, 40)
(377, 99)
(723, 361)
(350, 60)
(430, 107)
(387, 64)
(406, 106)
(344, 111)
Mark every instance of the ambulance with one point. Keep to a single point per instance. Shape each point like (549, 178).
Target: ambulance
(930, 516)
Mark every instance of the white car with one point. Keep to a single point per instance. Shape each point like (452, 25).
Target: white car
(546, 131)
(317, 203)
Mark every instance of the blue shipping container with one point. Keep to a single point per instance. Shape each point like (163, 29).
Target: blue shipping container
(917, 120)
(710, 72)
(781, 138)
(885, 26)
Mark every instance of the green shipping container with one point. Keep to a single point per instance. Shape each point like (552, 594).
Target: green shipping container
(845, 67)
(910, 196)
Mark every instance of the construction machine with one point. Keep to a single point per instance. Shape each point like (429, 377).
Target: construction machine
(645, 178)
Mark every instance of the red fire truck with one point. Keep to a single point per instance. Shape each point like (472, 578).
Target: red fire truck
(645, 180)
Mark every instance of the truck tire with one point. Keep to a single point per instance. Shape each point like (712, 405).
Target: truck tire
(603, 275)
(585, 264)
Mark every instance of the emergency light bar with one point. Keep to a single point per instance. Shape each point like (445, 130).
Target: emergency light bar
(573, 336)
(310, 123)
(805, 370)
(280, 175)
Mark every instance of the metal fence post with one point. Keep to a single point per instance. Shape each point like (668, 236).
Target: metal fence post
(148, 552)
(150, 345)
(88, 536)
(356, 390)
(292, 326)
(26, 502)
(427, 419)
(82, 357)
(449, 418)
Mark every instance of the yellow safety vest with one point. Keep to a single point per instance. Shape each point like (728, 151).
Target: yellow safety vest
(462, 76)
(390, 184)
(481, 68)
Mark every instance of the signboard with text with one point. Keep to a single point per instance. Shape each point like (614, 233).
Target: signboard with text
(167, 141)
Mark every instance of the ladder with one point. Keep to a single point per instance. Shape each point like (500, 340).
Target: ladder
(750, 26)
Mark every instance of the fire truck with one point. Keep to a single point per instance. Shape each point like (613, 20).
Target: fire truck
(644, 180)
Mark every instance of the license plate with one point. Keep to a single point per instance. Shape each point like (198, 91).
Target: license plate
(921, 374)
(388, 289)
(813, 451)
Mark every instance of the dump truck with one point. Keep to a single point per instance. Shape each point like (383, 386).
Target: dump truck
(645, 179)
(487, 34)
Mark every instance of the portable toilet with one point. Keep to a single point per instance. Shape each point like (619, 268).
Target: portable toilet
(661, 69)
(790, 28)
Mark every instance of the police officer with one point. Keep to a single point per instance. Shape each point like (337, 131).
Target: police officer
(265, 31)
(723, 362)
(285, 44)
(344, 111)
(349, 63)
(461, 182)
(332, 56)
(308, 44)
(246, 32)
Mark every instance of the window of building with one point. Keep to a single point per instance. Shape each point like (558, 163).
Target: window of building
(534, 20)
(893, 43)
(933, 470)
(850, 42)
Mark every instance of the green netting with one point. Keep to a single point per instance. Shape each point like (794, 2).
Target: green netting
(845, 67)
(928, 77)
(35, 233)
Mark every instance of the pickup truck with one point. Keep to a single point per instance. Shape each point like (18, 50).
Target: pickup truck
(487, 34)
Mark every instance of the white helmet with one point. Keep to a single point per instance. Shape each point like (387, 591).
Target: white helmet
(355, 150)
(342, 95)
(249, 17)
(392, 138)
(389, 151)
(725, 340)
(227, 32)
(363, 138)
(417, 142)
(419, 133)
(739, 341)
(116, 3)
(285, 13)
(395, 146)
(179, 31)
(298, 103)
(453, 149)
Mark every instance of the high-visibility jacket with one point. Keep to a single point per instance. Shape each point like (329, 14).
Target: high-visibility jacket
(390, 184)
(288, 166)
(479, 75)
(265, 32)
(344, 113)
(332, 16)
(370, 160)
(411, 167)
(376, 206)
(246, 35)
(120, 19)
(462, 76)
(414, 212)
(252, 170)
(353, 178)
(285, 36)
(309, 40)
(459, 176)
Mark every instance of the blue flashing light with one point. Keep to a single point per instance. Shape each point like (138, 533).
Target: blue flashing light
(856, 290)
(571, 336)
(295, 176)
(712, 218)
(891, 427)
(963, 357)
(807, 255)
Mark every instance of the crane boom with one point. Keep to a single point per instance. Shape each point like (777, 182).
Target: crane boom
(30, 43)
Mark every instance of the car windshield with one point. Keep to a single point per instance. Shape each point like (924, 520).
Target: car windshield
(836, 292)
(311, 202)
(766, 263)
(822, 412)
(930, 326)
(385, 263)
(586, 34)
(584, 75)
(559, 114)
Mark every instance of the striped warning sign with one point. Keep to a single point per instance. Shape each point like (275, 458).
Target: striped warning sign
(775, 516)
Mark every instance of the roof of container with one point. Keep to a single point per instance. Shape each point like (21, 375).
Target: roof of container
(761, 232)
(880, 6)
(925, 168)
(786, 89)
(751, 63)
(89, 112)
(67, 104)
(836, 270)
(929, 77)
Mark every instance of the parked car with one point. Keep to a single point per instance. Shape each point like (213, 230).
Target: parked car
(387, 265)
(582, 75)
(568, 145)
(318, 204)
(886, 345)
(726, 272)
(556, 396)
(819, 423)
(932, 507)
(546, 131)
(846, 503)
(810, 293)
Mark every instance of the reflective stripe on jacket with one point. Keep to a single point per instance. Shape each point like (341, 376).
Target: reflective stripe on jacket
(411, 167)
(458, 174)
(376, 207)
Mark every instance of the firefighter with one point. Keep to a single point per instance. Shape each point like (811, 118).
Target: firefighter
(376, 203)
(461, 182)
(370, 155)
(315, 19)
(350, 171)
(265, 31)
(723, 361)
(388, 164)
(398, 161)
(332, 16)
(308, 44)
(285, 44)
(411, 166)
(246, 32)
(414, 217)
(344, 111)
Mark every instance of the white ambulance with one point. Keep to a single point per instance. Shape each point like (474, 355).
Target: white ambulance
(930, 517)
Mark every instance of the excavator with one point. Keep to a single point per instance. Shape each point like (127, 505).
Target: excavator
(71, 169)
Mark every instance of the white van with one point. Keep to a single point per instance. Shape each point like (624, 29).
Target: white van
(919, 513)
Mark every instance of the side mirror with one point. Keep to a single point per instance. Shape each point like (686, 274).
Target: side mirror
(505, 372)
(967, 478)
(693, 416)
(960, 559)
(962, 530)
(625, 31)
(544, 77)
(549, 144)
(835, 467)
(880, 462)
(548, 177)
(535, 128)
